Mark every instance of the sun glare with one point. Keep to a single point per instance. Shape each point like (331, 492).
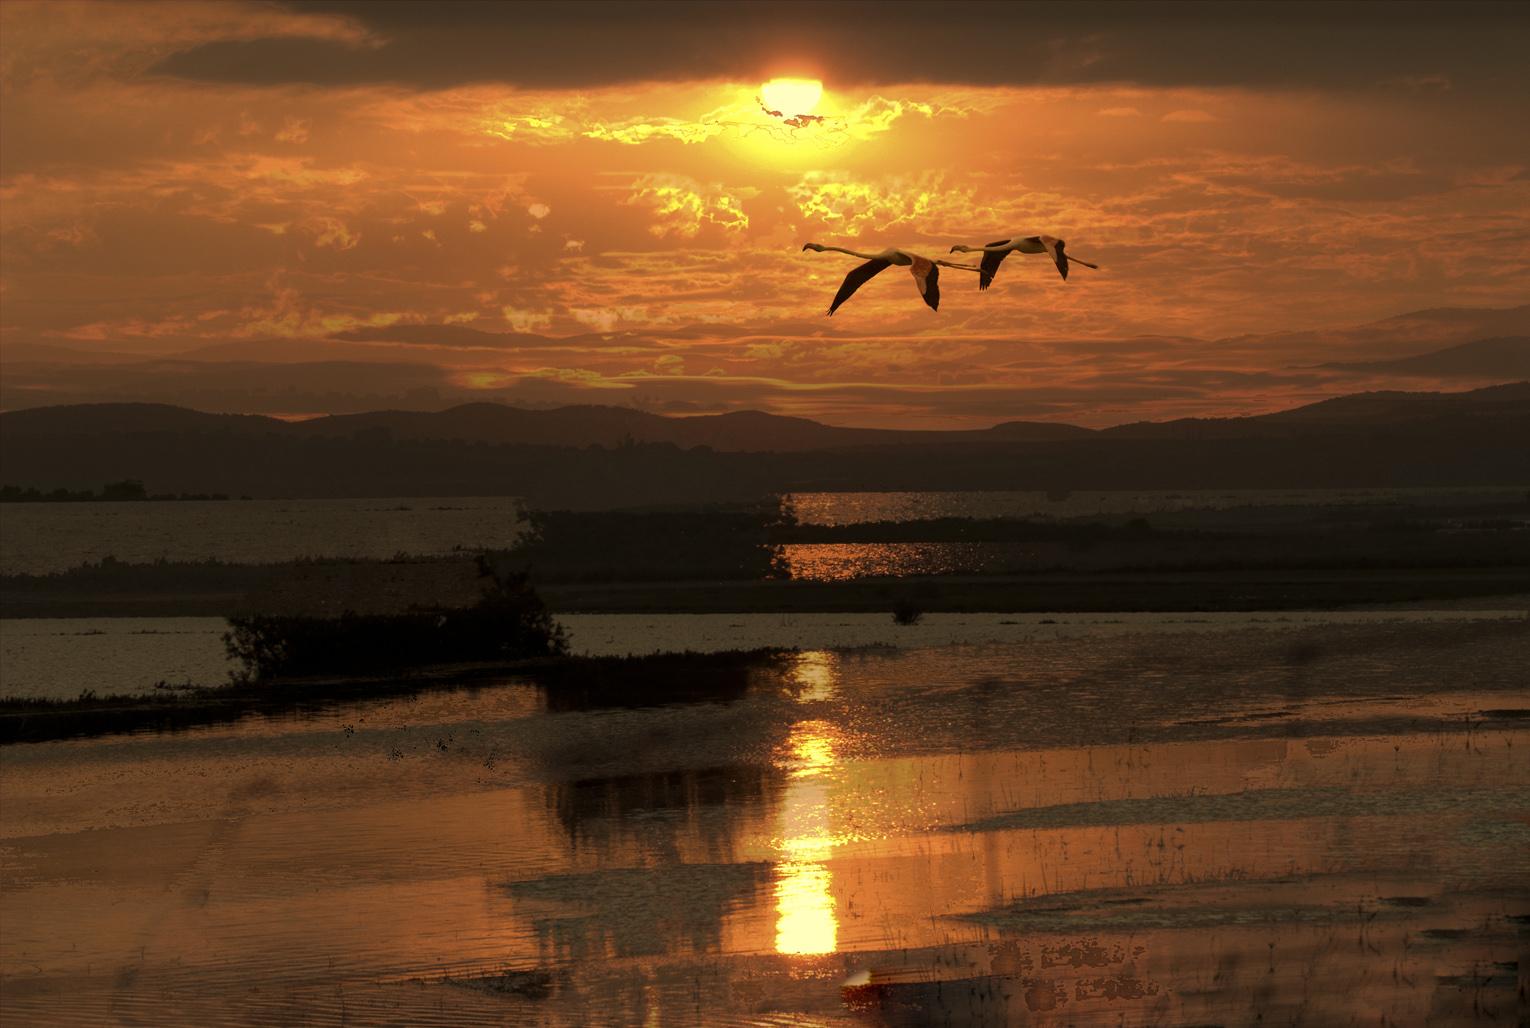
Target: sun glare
(791, 96)
(807, 921)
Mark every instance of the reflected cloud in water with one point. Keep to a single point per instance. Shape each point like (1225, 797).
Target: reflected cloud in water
(691, 814)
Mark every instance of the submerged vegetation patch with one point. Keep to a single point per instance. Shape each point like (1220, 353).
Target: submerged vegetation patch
(716, 543)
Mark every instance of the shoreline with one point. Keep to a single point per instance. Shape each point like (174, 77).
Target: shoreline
(632, 679)
(89, 715)
(1147, 591)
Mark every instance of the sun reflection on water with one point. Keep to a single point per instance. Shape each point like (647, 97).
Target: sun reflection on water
(806, 922)
(814, 675)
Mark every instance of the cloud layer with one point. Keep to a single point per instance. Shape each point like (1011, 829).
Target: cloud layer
(435, 45)
(508, 215)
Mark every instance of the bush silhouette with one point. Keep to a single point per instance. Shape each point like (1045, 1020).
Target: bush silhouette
(907, 612)
(509, 622)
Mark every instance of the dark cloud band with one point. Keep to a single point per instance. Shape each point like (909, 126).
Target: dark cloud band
(570, 45)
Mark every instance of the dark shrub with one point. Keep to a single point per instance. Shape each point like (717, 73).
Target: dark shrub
(509, 622)
(907, 612)
(127, 489)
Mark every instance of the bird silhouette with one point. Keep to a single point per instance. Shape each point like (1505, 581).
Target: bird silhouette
(994, 254)
(926, 272)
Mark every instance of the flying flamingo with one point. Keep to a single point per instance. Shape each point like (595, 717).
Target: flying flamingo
(994, 254)
(926, 274)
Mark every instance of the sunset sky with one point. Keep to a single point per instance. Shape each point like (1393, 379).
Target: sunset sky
(586, 203)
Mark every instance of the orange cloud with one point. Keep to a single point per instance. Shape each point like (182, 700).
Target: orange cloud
(853, 206)
(681, 206)
(656, 219)
(1189, 117)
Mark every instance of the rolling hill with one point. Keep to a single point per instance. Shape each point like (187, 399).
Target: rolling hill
(609, 456)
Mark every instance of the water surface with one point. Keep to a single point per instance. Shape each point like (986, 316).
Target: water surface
(59, 658)
(1321, 823)
(828, 508)
(39, 538)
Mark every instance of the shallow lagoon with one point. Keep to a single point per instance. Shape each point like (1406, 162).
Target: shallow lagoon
(40, 538)
(58, 658)
(1308, 821)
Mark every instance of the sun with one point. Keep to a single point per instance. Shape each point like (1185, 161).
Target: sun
(791, 96)
(777, 126)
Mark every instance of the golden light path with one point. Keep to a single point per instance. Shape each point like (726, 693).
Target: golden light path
(805, 918)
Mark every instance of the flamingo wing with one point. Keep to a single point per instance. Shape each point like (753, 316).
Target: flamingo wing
(857, 278)
(990, 263)
(1055, 251)
(927, 278)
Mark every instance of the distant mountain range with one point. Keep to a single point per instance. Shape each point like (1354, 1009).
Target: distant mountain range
(499, 425)
(613, 456)
(746, 431)
(1383, 413)
(741, 431)
(425, 368)
(1504, 357)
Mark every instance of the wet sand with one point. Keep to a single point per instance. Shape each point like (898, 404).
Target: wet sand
(1315, 823)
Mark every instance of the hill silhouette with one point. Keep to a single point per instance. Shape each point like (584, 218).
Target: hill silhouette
(741, 431)
(1387, 411)
(1502, 357)
(617, 457)
(501, 425)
